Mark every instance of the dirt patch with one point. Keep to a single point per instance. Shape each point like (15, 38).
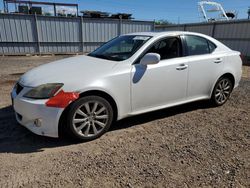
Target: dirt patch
(246, 72)
(8, 82)
(193, 145)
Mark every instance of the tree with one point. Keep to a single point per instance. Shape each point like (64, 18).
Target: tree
(163, 22)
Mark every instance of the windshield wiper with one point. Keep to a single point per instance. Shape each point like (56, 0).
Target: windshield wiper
(105, 57)
(98, 56)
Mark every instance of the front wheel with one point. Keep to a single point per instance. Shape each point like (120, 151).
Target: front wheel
(89, 117)
(222, 91)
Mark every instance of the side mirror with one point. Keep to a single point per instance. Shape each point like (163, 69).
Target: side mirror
(150, 58)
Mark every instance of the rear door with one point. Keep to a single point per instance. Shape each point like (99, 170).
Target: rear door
(205, 65)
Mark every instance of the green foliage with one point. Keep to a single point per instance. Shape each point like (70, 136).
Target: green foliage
(47, 14)
(163, 22)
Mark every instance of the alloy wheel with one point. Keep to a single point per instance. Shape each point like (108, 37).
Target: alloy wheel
(222, 91)
(90, 118)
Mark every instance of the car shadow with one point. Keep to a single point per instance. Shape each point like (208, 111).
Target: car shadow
(15, 138)
(160, 114)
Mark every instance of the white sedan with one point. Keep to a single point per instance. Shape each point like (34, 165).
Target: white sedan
(129, 75)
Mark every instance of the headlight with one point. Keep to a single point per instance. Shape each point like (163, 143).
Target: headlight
(44, 91)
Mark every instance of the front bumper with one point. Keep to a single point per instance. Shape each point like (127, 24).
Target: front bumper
(35, 115)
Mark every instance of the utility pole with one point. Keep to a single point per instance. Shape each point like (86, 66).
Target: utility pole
(5, 6)
(248, 12)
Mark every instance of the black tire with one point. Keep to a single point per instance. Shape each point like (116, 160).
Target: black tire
(222, 91)
(93, 123)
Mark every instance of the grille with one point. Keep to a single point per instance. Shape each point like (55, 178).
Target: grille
(19, 88)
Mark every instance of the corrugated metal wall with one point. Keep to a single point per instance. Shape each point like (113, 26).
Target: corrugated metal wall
(30, 34)
(17, 34)
(235, 34)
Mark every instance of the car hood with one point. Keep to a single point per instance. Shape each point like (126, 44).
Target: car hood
(68, 71)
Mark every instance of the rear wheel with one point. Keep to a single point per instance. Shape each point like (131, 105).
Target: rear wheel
(222, 91)
(89, 117)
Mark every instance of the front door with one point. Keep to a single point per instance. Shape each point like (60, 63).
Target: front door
(162, 84)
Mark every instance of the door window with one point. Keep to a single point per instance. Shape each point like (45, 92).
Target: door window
(197, 45)
(167, 48)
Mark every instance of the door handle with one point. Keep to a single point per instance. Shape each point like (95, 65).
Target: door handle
(182, 67)
(218, 60)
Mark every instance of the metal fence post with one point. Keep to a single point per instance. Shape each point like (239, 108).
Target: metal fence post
(184, 27)
(37, 35)
(213, 29)
(120, 25)
(81, 34)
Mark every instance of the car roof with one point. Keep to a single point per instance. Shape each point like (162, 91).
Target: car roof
(159, 34)
(164, 33)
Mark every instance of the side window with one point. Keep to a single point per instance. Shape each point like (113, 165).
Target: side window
(197, 45)
(167, 48)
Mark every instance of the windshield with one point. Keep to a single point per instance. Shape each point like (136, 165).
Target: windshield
(120, 48)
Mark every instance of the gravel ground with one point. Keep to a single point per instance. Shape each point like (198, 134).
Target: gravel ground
(193, 145)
